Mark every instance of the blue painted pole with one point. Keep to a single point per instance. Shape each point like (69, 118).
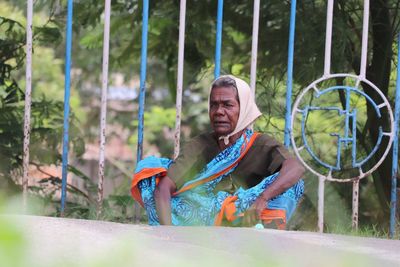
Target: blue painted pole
(66, 105)
(218, 41)
(289, 84)
(393, 196)
(142, 93)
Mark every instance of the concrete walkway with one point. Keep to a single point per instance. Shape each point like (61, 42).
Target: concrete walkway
(70, 242)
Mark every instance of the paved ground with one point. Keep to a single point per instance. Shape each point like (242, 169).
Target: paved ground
(69, 242)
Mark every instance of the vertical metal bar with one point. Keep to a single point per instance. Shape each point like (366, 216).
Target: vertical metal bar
(356, 189)
(346, 123)
(339, 148)
(179, 83)
(142, 93)
(395, 158)
(289, 85)
(354, 138)
(103, 112)
(66, 105)
(328, 38)
(28, 101)
(254, 46)
(364, 45)
(218, 41)
(321, 192)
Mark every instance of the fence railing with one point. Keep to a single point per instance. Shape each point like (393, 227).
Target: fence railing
(218, 50)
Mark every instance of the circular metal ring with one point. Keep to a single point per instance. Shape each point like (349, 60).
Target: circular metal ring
(358, 80)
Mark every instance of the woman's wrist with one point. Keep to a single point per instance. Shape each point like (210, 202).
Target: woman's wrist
(264, 197)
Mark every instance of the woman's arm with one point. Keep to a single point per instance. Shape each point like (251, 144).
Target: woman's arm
(162, 196)
(291, 171)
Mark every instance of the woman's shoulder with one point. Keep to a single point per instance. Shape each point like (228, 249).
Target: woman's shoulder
(203, 138)
(265, 139)
(198, 143)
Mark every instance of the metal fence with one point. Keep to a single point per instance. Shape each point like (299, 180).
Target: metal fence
(393, 134)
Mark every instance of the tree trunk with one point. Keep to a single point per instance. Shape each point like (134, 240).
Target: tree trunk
(378, 72)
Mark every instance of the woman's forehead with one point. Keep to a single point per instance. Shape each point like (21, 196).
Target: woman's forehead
(224, 93)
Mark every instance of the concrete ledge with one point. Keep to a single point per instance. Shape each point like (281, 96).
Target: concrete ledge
(71, 242)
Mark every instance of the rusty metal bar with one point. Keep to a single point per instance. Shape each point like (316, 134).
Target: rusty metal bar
(321, 196)
(354, 217)
(28, 102)
(364, 45)
(179, 83)
(254, 46)
(328, 38)
(103, 112)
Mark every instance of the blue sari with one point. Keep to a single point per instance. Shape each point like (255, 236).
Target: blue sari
(196, 203)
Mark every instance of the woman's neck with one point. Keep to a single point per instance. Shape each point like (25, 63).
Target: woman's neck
(232, 140)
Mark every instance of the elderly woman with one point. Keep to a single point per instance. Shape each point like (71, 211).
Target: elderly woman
(231, 176)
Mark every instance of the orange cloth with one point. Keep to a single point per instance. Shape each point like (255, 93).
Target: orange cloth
(277, 216)
(143, 174)
(228, 209)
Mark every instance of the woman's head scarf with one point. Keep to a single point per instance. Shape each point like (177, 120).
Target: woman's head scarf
(249, 111)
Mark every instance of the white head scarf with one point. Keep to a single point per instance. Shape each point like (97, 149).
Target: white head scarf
(249, 111)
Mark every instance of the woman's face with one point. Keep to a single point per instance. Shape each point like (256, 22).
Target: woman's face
(224, 110)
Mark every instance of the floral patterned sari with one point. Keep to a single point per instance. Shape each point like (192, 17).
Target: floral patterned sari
(196, 203)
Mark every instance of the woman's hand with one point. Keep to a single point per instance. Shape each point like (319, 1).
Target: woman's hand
(290, 172)
(253, 214)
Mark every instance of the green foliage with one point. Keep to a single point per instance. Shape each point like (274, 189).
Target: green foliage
(46, 106)
(158, 123)
(12, 53)
(48, 35)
